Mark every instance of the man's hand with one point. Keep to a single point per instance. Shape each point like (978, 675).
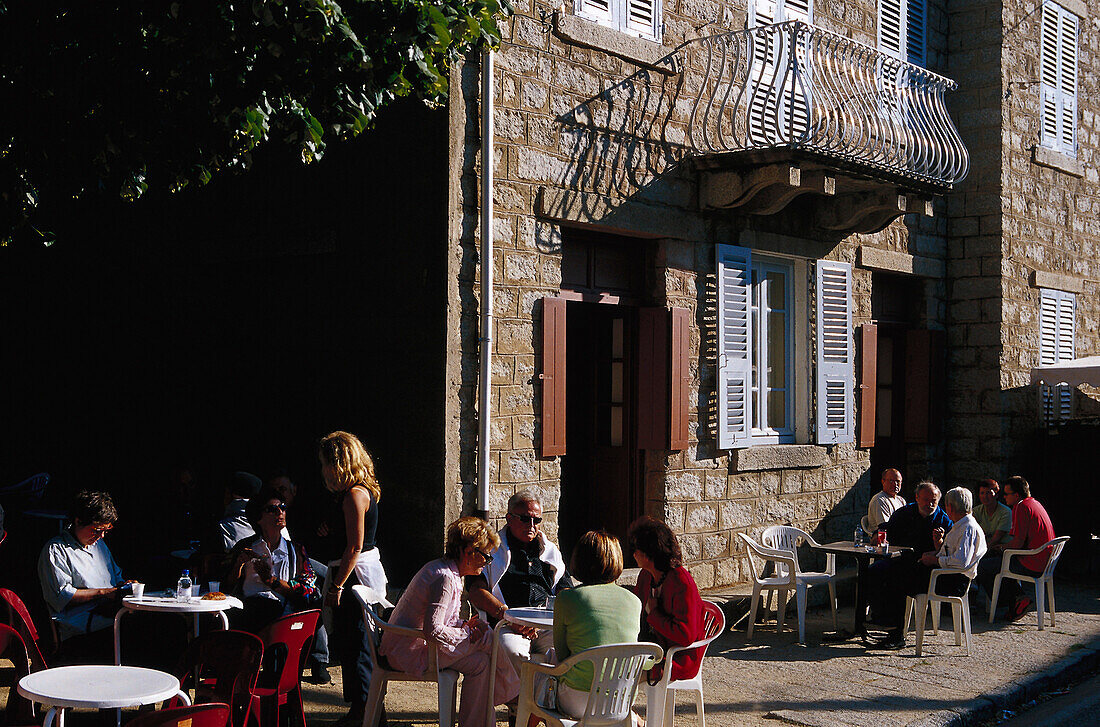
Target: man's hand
(527, 632)
(332, 598)
(930, 558)
(937, 538)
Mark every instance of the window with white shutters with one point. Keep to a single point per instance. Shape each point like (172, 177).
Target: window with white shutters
(637, 17)
(902, 29)
(1058, 79)
(1057, 322)
(834, 354)
(734, 277)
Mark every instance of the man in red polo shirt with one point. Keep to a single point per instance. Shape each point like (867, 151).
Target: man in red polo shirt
(1031, 527)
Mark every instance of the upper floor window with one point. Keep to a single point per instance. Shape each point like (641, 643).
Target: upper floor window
(1058, 78)
(1057, 328)
(901, 29)
(636, 17)
(766, 12)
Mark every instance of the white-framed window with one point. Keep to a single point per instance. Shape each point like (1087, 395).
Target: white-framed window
(636, 17)
(1058, 79)
(902, 29)
(1057, 329)
(764, 341)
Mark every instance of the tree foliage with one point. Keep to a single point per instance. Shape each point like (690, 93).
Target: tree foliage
(123, 97)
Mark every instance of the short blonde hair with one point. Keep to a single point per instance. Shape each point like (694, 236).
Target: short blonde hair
(351, 462)
(597, 558)
(469, 531)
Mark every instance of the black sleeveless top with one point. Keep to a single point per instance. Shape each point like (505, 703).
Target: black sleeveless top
(370, 522)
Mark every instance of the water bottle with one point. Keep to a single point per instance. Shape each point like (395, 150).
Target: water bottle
(857, 539)
(183, 587)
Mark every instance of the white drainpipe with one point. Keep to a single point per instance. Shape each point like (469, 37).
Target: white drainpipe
(485, 382)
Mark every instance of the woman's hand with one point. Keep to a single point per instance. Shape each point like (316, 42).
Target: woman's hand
(332, 597)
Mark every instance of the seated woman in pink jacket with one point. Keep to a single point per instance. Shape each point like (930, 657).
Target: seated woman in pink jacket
(431, 604)
(672, 611)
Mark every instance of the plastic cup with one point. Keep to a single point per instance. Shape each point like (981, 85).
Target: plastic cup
(213, 586)
(139, 589)
(195, 591)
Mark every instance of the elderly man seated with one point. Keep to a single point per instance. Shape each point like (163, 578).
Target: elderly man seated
(910, 527)
(962, 548)
(526, 570)
(81, 583)
(887, 501)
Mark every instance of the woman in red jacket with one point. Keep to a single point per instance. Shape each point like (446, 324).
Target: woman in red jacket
(672, 612)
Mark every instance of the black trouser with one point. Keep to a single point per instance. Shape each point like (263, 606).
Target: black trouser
(990, 566)
(905, 575)
(350, 644)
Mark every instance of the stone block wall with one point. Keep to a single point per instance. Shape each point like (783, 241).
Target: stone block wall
(585, 136)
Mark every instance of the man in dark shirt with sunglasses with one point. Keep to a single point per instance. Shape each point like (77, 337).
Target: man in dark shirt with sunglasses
(526, 571)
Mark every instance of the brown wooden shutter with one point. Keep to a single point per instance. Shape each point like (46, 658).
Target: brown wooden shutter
(680, 379)
(924, 385)
(553, 377)
(653, 392)
(868, 383)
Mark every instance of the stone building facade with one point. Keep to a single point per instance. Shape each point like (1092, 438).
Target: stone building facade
(605, 199)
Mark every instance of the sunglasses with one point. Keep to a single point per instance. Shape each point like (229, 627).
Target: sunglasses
(485, 556)
(527, 519)
(281, 507)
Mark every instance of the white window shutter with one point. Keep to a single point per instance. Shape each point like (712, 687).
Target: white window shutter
(1048, 327)
(762, 12)
(1067, 83)
(734, 276)
(643, 17)
(601, 11)
(796, 10)
(1057, 334)
(835, 355)
(890, 27)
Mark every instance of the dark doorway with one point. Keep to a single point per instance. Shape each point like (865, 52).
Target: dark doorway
(895, 306)
(601, 483)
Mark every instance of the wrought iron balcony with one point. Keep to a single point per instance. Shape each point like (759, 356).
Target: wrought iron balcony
(792, 86)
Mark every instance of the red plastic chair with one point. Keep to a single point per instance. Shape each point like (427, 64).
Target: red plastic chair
(19, 618)
(227, 664)
(20, 710)
(286, 640)
(200, 715)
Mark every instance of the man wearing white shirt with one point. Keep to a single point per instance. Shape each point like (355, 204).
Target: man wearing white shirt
(884, 503)
(962, 547)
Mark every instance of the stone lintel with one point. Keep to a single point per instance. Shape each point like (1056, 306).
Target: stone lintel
(1077, 7)
(1054, 281)
(1056, 160)
(639, 51)
(619, 216)
(900, 262)
(779, 457)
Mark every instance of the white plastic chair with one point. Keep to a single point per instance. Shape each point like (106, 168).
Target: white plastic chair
(447, 679)
(616, 668)
(789, 576)
(661, 697)
(1047, 578)
(960, 608)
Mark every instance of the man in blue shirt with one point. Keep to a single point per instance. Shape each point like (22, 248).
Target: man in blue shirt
(911, 527)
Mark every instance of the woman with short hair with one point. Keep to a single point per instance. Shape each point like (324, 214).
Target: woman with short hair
(595, 613)
(431, 604)
(672, 609)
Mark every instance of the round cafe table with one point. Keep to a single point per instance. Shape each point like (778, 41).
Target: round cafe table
(97, 686)
(538, 618)
(169, 604)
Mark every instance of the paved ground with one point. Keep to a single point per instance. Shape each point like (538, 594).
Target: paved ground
(774, 680)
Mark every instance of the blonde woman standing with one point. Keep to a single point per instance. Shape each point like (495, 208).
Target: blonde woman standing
(348, 472)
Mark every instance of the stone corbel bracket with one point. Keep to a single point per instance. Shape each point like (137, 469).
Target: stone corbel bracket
(762, 190)
(868, 212)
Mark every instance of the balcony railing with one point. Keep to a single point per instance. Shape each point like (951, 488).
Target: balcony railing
(795, 86)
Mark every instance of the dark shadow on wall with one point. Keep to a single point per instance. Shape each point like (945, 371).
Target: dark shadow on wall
(230, 327)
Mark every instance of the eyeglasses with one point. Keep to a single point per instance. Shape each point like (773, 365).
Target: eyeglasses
(102, 529)
(484, 556)
(281, 507)
(527, 519)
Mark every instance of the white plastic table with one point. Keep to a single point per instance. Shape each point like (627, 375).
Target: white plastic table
(166, 604)
(538, 618)
(97, 686)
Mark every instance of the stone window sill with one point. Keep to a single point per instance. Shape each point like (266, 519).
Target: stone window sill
(639, 51)
(779, 457)
(1044, 157)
